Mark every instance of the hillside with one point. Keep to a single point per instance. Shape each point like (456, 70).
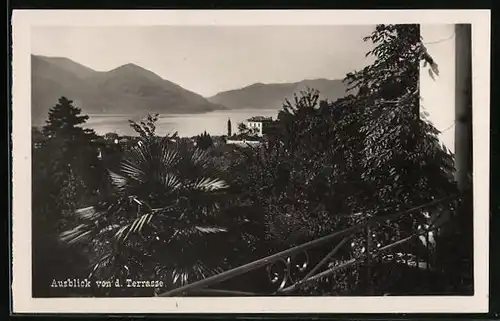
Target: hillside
(69, 65)
(129, 89)
(272, 96)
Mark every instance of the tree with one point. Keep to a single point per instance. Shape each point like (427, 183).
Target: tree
(204, 141)
(165, 218)
(296, 178)
(146, 129)
(64, 120)
(71, 142)
(111, 137)
(403, 162)
(246, 132)
(367, 153)
(37, 136)
(67, 156)
(65, 175)
(403, 165)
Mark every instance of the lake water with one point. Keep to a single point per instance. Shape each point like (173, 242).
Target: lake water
(187, 125)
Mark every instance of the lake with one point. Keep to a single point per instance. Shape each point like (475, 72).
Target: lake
(187, 125)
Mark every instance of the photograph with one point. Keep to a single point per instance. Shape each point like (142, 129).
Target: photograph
(176, 162)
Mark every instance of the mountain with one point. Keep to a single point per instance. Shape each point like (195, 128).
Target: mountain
(272, 96)
(69, 65)
(128, 89)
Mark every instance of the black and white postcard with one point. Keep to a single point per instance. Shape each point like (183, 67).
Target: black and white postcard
(250, 161)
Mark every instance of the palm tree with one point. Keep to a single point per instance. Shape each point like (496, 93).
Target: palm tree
(163, 219)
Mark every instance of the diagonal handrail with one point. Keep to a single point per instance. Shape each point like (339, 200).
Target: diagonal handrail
(326, 258)
(431, 227)
(311, 244)
(258, 263)
(219, 292)
(354, 261)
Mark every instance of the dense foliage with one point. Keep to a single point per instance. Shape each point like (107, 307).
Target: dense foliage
(368, 152)
(164, 218)
(65, 176)
(204, 141)
(161, 208)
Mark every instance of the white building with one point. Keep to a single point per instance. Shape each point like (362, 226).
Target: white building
(258, 124)
(243, 142)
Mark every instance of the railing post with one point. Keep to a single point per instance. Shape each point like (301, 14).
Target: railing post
(464, 150)
(428, 254)
(368, 248)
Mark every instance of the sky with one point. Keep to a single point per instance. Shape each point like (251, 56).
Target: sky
(211, 59)
(438, 96)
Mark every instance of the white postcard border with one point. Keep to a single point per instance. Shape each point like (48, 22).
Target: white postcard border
(23, 20)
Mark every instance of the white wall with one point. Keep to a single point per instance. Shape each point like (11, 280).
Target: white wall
(243, 142)
(257, 125)
(438, 96)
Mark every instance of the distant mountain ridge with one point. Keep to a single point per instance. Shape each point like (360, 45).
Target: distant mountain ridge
(128, 89)
(131, 89)
(272, 96)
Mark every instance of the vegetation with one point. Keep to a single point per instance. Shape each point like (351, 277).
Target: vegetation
(161, 208)
(65, 176)
(165, 204)
(204, 141)
(245, 132)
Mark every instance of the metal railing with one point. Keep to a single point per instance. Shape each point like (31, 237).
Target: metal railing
(295, 269)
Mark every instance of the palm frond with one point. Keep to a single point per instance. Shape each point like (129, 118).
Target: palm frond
(106, 256)
(132, 170)
(200, 158)
(184, 234)
(134, 199)
(118, 181)
(94, 269)
(209, 184)
(81, 233)
(136, 226)
(169, 156)
(138, 223)
(181, 275)
(119, 235)
(171, 182)
(140, 153)
(87, 213)
(210, 229)
(164, 195)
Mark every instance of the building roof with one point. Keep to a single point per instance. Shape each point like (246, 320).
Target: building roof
(260, 119)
